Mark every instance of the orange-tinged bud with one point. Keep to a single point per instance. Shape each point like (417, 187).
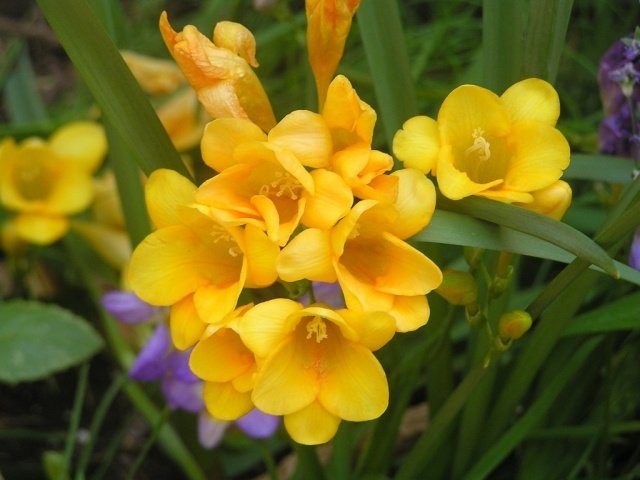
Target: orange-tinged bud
(458, 287)
(512, 325)
(328, 25)
(552, 201)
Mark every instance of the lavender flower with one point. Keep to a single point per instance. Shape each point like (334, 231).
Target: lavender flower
(634, 254)
(328, 293)
(127, 307)
(255, 424)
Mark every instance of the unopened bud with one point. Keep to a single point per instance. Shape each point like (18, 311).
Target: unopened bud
(501, 282)
(552, 201)
(473, 256)
(514, 324)
(458, 288)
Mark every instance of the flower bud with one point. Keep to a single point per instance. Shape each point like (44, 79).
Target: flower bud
(512, 325)
(458, 288)
(552, 201)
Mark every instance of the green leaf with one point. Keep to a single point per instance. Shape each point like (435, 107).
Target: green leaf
(37, 339)
(603, 168)
(112, 84)
(526, 221)
(623, 314)
(451, 228)
(384, 43)
(21, 93)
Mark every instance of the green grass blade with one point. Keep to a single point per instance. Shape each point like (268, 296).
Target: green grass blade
(502, 42)
(21, 94)
(545, 37)
(623, 314)
(602, 168)
(533, 416)
(119, 96)
(380, 27)
(534, 224)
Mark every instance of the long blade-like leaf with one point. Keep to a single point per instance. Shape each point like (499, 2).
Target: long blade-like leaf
(552, 231)
(121, 99)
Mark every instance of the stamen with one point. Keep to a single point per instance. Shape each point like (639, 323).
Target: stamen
(480, 145)
(284, 184)
(318, 328)
(220, 235)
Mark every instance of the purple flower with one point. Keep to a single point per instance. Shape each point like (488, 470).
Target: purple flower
(127, 307)
(153, 360)
(255, 424)
(328, 293)
(634, 253)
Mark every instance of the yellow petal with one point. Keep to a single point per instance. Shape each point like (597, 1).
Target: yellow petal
(71, 193)
(222, 136)
(224, 402)
(350, 120)
(182, 119)
(156, 76)
(417, 144)
(167, 193)
(552, 201)
(236, 38)
(308, 255)
(261, 254)
(410, 313)
(374, 329)
(83, 144)
(362, 295)
(332, 200)
(306, 135)
(415, 203)
(455, 184)
(264, 326)
(354, 385)
(283, 384)
(214, 302)
(173, 262)
(540, 155)
(312, 425)
(532, 99)
(39, 228)
(185, 324)
(221, 357)
(507, 196)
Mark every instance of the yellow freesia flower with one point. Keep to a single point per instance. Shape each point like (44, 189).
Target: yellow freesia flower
(552, 201)
(504, 148)
(316, 366)
(193, 262)
(263, 180)
(220, 71)
(156, 76)
(328, 25)
(376, 269)
(227, 367)
(44, 182)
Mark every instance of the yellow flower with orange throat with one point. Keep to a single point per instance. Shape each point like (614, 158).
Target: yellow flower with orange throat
(501, 147)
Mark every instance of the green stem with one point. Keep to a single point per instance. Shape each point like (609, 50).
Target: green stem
(308, 466)
(149, 443)
(76, 413)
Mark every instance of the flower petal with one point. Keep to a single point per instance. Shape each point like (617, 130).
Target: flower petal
(305, 134)
(308, 255)
(210, 430)
(82, 144)
(222, 136)
(540, 155)
(257, 424)
(167, 194)
(410, 313)
(312, 425)
(532, 99)
(415, 203)
(221, 357)
(265, 325)
(417, 144)
(214, 302)
(283, 385)
(185, 324)
(552, 201)
(40, 229)
(332, 200)
(224, 402)
(455, 184)
(261, 254)
(354, 386)
(374, 329)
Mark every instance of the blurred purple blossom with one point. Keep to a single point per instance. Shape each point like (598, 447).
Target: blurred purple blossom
(634, 254)
(328, 293)
(127, 307)
(255, 424)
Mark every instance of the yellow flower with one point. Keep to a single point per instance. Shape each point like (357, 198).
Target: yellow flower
(377, 271)
(504, 148)
(45, 181)
(552, 201)
(263, 180)
(227, 367)
(194, 259)
(316, 365)
(328, 25)
(220, 71)
(156, 76)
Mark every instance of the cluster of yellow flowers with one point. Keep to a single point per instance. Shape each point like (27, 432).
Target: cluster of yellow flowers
(307, 199)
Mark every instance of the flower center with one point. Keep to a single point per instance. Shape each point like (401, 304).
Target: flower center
(318, 328)
(33, 180)
(220, 235)
(283, 185)
(480, 146)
